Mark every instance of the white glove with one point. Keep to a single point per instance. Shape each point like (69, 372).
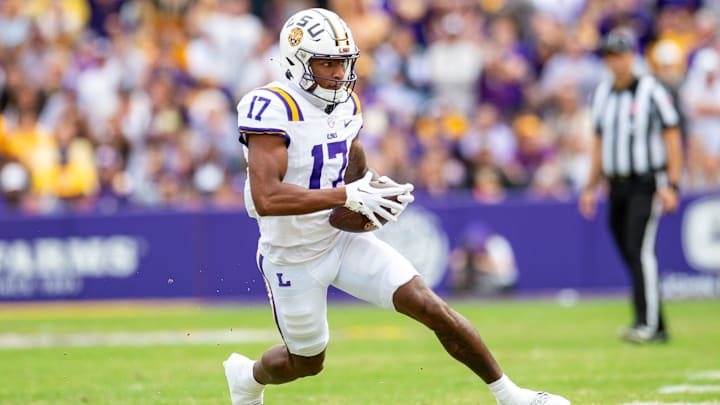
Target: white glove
(371, 201)
(405, 198)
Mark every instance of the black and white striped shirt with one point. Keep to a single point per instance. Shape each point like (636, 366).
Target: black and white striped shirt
(630, 122)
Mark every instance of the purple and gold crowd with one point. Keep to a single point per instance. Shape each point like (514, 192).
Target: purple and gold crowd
(112, 105)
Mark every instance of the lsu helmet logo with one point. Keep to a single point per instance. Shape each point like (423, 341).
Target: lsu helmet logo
(295, 37)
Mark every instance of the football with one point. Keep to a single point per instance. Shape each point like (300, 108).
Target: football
(350, 221)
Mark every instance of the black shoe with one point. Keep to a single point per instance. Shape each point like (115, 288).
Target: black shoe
(642, 334)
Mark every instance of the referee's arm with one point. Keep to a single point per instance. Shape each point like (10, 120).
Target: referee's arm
(668, 191)
(671, 136)
(588, 198)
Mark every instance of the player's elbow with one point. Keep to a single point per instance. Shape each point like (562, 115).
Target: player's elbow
(263, 206)
(270, 204)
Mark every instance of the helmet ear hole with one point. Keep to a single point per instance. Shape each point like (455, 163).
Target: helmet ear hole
(288, 74)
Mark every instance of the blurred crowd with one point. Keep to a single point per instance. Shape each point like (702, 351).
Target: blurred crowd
(111, 105)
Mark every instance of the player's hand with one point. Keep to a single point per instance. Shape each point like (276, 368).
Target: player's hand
(588, 203)
(371, 201)
(405, 198)
(669, 199)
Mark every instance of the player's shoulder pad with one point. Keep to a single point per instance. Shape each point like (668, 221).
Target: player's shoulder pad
(355, 102)
(274, 100)
(267, 111)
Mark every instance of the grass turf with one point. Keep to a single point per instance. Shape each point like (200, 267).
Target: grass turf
(375, 356)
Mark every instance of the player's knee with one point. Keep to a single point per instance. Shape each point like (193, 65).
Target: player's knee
(420, 302)
(314, 369)
(305, 332)
(437, 313)
(308, 366)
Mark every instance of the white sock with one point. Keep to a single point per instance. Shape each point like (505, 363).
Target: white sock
(251, 383)
(506, 392)
(502, 389)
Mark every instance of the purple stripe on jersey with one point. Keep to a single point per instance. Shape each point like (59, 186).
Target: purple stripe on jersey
(355, 105)
(270, 295)
(287, 106)
(245, 131)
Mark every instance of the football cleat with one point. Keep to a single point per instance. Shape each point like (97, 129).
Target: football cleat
(239, 374)
(643, 334)
(529, 397)
(544, 398)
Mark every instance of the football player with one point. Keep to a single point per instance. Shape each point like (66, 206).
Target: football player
(304, 159)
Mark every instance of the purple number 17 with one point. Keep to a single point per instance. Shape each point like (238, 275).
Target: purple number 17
(258, 114)
(334, 149)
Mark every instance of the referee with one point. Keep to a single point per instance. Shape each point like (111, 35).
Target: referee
(637, 149)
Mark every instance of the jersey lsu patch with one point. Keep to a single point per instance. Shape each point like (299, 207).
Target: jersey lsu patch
(318, 144)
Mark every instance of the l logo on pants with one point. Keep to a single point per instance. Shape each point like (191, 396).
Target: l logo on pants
(282, 283)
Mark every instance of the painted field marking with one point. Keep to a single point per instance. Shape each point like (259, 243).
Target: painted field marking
(671, 403)
(175, 337)
(93, 339)
(686, 388)
(705, 375)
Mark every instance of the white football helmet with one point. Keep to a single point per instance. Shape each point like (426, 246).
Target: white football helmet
(318, 33)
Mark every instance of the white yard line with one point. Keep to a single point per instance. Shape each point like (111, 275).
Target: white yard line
(687, 388)
(671, 403)
(174, 337)
(705, 375)
(94, 339)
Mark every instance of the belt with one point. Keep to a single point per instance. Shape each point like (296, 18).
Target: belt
(647, 177)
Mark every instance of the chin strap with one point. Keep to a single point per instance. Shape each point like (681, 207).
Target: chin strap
(316, 101)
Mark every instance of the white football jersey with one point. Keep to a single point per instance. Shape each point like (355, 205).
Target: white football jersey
(318, 144)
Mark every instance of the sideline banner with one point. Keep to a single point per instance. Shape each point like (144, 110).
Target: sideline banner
(459, 247)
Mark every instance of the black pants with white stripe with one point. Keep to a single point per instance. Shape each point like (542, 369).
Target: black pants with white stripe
(634, 217)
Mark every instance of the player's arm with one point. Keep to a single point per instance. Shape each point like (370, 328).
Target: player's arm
(357, 163)
(267, 162)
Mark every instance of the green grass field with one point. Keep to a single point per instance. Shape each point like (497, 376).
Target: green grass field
(374, 357)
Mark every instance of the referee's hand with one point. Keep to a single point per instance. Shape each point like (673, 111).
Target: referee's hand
(588, 203)
(669, 199)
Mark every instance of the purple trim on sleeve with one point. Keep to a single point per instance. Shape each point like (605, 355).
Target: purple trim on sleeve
(287, 105)
(245, 131)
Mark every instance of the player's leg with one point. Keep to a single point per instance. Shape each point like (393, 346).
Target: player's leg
(457, 335)
(278, 366)
(247, 378)
(299, 303)
(463, 342)
(375, 272)
(298, 297)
